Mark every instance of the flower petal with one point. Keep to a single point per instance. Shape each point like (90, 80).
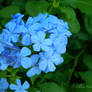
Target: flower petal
(42, 65)
(33, 71)
(13, 87)
(26, 62)
(51, 67)
(47, 41)
(18, 82)
(36, 47)
(26, 40)
(25, 51)
(26, 85)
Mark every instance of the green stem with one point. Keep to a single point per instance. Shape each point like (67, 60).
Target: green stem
(75, 63)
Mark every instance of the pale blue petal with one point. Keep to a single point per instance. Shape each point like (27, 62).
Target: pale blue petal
(36, 47)
(29, 21)
(53, 19)
(26, 40)
(13, 87)
(18, 83)
(26, 62)
(45, 24)
(45, 48)
(26, 85)
(33, 71)
(41, 35)
(20, 90)
(10, 26)
(15, 37)
(4, 67)
(57, 59)
(1, 49)
(42, 65)
(47, 41)
(34, 39)
(4, 83)
(34, 59)
(51, 67)
(25, 51)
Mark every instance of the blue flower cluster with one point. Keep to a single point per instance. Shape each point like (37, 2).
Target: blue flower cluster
(36, 45)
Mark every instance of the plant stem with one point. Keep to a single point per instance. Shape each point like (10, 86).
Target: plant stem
(75, 63)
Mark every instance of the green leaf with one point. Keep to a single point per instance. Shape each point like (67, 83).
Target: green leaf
(87, 60)
(70, 16)
(8, 11)
(19, 3)
(83, 36)
(84, 6)
(87, 77)
(88, 24)
(1, 1)
(35, 7)
(51, 87)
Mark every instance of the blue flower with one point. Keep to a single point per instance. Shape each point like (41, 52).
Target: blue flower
(22, 55)
(40, 42)
(31, 62)
(59, 43)
(45, 34)
(19, 87)
(48, 60)
(16, 56)
(3, 84)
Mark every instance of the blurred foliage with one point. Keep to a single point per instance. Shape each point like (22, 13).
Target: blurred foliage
(75, 74)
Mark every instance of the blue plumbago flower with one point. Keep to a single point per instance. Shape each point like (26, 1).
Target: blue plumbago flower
(45, 35)
(48, 60)
(59, 41)
(3, 84)
(19, 87)
(40, 42)
(20, 56)
(31, 63)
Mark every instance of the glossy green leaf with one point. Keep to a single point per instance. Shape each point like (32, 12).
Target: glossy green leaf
(83, 36)
(8, 11)
(34, 7)
(87, 77)
(87, 60)
(51, 87)
(84, 6)
(88, 23)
